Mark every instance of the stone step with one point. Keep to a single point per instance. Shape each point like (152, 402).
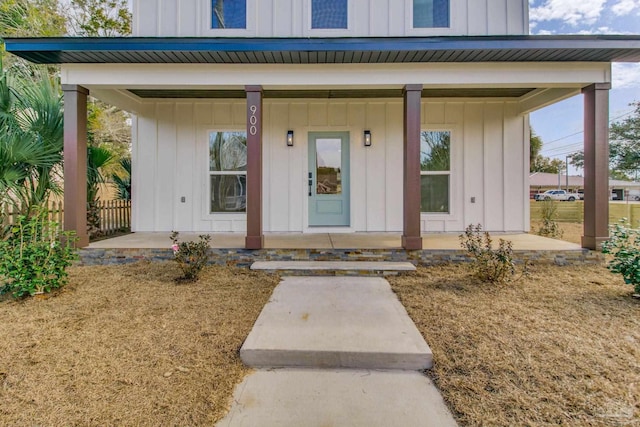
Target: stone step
(335, 322)
(333, 268)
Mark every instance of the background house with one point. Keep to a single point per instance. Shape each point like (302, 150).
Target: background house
(311, 116)
(539, 182)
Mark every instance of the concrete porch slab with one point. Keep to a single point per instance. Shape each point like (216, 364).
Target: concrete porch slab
(316, 398)
(435, 241)
(312, 267)
(336, 322)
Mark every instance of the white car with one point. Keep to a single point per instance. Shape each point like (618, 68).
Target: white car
(561, 195)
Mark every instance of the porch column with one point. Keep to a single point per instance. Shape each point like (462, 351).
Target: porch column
(75, 162)
(411, 238)
(254, 238)
(596, 165)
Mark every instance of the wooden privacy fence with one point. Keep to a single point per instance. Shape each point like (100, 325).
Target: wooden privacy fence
(115, 215)
(574, 212)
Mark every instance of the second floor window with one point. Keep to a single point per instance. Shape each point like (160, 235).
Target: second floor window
(430, 13)
(229, 14)
(329, 14)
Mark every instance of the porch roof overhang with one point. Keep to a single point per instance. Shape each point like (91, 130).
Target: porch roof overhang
(463, 49)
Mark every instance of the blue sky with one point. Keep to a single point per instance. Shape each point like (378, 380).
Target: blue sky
(560, 125)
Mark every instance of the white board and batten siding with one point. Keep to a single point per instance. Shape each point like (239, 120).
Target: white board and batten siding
(292, 18)
(489, 156)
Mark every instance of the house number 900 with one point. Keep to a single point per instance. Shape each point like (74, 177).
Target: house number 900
(253, 120)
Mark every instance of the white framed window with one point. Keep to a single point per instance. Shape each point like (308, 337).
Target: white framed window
(228, 14)
(435, 17)
(431, 14)
(435, 171)
(227, 181)
(328, 17)
(228, 18)
(329, 14)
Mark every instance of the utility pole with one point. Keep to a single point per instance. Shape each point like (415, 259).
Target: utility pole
(566, 172)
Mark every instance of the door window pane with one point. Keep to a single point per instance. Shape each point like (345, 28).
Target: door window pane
(435, 193)
(435, 150)
(228, 193)
(227, 151)
(229, 14)
(329, 166)
(430, 13)
(329, 13)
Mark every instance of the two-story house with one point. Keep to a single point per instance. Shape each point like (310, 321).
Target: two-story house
(303, 116)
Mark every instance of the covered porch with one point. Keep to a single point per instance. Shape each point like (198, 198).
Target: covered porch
(475, 81)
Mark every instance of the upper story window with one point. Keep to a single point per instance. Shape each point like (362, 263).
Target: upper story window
(430, 13)
(327, 14)
(228, 14)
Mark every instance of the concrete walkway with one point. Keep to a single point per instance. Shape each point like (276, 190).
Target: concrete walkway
(336, 351)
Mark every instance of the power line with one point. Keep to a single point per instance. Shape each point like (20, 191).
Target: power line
(582, 131)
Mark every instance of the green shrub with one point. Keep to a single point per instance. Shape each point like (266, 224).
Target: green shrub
(624, 248)
(491, 265)
(34, 257)
(190, 256)
(549, 215)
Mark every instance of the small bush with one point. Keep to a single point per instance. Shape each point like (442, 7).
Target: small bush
(624, 247)
(549, 214)
(491, 265)
(190, 256)
(34, 257)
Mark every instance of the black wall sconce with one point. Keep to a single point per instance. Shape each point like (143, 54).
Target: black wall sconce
(367, 138)
(289, 138)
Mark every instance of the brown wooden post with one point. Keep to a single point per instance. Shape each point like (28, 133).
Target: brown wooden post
(254, 238)
(75, 162)
(596, 165)
(411, 238)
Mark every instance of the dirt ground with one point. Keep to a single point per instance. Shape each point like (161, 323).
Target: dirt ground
(127, 346)
(561, 347)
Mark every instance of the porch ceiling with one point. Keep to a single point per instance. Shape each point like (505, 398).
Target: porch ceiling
(601, 48)
(320, 94)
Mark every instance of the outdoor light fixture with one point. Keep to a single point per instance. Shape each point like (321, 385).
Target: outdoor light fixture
(290, 138)
(367, 138)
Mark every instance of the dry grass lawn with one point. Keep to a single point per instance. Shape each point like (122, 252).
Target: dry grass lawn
(571, 231)
(125, 345)
(561, 347)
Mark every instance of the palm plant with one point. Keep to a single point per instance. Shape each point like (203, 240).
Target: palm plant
(31, 139)
(98, 158)
(122, 180)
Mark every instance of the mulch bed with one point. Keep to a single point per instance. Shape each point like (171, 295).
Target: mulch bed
(126, 345)
(560, 347)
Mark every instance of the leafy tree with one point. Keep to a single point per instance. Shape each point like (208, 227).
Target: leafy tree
(538, 162)
(29, 18)
(624, 147)
(99, 18)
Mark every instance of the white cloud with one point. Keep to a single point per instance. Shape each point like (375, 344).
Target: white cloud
(570, 11)
(625, 75)
(625, 7)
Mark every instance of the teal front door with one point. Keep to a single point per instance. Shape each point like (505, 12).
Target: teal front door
(328, 179)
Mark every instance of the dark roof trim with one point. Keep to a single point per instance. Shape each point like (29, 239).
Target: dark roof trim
(328, 50)
(332, 94)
